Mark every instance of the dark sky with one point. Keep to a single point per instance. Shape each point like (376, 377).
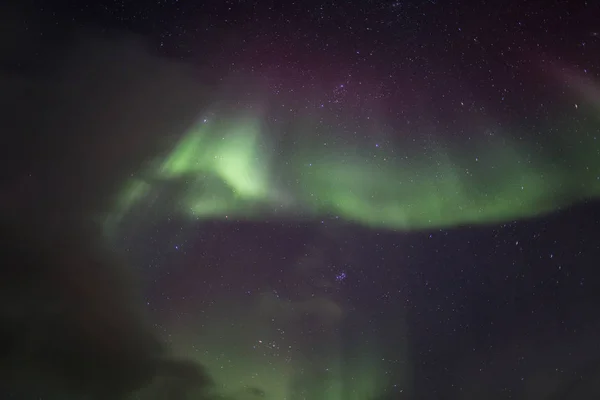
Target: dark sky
(95, 90)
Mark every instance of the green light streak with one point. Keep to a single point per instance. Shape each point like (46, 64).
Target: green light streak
(223, 170)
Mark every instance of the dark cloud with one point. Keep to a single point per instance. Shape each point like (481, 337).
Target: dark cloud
(72, 321)
(79, 113)
(83, 111)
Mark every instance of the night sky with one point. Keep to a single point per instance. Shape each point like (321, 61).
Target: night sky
(363, 200)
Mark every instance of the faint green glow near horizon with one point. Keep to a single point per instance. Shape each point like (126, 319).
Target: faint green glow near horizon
(235, 362)
(225, 170)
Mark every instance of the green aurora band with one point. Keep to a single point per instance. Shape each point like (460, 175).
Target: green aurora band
(221, 169)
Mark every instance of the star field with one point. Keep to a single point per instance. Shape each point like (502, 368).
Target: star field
(332, 200)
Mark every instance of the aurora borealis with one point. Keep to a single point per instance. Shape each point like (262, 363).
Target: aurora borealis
(375, 200)
(223, 170)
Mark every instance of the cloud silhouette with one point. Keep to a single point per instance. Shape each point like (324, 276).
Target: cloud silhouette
(79, 113)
